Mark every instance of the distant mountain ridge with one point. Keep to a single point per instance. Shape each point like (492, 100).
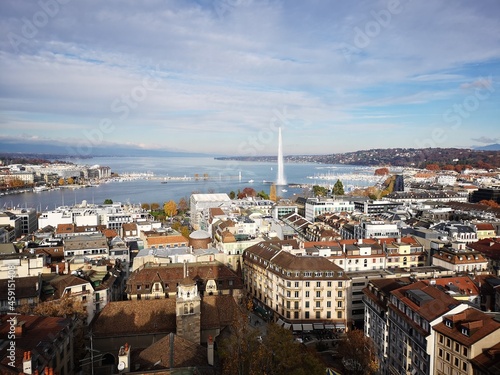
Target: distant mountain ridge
(492, 147)
(401, 157)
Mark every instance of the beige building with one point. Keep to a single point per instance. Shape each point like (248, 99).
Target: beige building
(297, 290)
(462, 337)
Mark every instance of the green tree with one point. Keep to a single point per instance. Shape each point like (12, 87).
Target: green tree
(108, 201)
(319, 191)
(338, 188)
(262, 194)
(232, 194)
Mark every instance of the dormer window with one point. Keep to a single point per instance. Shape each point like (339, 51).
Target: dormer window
(465, 331)
(448, 323)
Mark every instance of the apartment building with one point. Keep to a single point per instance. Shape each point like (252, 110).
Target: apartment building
(315, 207)
(159, 282)
(462, 337)
(41, 343)
(413, 311)
(86, 247)
(199, 205)
(376, 322)
(296, 289)
(460, 259)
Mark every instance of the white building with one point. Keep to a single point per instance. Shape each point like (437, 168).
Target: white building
(200, 205)
(315, 207)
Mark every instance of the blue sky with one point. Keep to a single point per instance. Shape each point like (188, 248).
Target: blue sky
(221, 76)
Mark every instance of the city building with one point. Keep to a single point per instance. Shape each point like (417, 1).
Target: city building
(461, 337)
(154, 282)
(413, 311)
(315, 207)
(200, 205)
(297, 290)
(41, 343)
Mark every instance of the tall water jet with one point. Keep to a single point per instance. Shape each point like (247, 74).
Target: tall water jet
(281, 180)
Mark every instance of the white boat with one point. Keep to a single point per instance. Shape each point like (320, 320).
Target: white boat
(250, 181)
(284, 190)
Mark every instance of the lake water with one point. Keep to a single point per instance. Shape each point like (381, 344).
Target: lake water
(222, 177)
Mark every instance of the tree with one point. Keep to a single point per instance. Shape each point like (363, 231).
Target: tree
(381, 171)
(183, 205)
(71, 181)
(232, 194)
(490, 203)
(170, 208)
(358, 353)
(108, 201)
(338, 188)
(61, 181)
(319, 191)
(432, 167)
(146, 206)
(247, 192)
(155, 206)
(277, 354)
(262, 194)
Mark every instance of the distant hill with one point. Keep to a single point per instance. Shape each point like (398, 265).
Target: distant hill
(401, 157)
(64, 150)
(493, 147)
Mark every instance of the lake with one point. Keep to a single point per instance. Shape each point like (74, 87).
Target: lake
(222, 176)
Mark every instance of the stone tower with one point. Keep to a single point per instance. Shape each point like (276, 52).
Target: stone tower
(188, 311)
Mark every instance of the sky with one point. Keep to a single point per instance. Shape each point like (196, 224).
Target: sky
(220, 77)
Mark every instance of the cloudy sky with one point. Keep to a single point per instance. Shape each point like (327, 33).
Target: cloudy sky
(221, 76)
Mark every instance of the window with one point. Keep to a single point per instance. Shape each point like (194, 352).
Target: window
(328, 314)
(307, 304)
(318, 284)
(339, 314)
(339, 294)
(457, 347)
(328, 303)
(339, 304)
(318, 314)
(340, 284)
(307, 294)
(308, 284)
(318, 304)
(440, 353)
(328, 294)
(307, 315)
(296, 294)
(329, 284)
(464, 366)
(465, 351)
(318, 294)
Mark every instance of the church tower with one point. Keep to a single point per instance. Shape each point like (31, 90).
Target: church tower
(188, 311)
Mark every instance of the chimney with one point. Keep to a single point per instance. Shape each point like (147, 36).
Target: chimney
(27, 363)
(124, 359)
(210, 350)
(360, 241)
(19, 330)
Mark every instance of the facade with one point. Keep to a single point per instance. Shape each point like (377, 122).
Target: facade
(315, 207)
(159, 282)
(374, 207)
(376, 322)
(295, 289)
(413, 311)
(375, 229)
(86, 247)
(200, 205)
(28, 219)
(460, 260)
(462, 337)
(41, 343)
